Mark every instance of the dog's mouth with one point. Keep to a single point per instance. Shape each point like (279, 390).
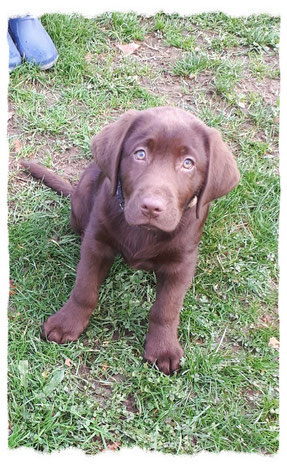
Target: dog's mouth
(153, 225)
(149, 227)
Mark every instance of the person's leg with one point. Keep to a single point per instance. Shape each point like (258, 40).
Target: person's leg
(14, 55)
(32, 41)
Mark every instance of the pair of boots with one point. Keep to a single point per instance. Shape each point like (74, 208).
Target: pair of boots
(28, 39)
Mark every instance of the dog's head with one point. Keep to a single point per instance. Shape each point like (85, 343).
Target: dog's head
(164, 157)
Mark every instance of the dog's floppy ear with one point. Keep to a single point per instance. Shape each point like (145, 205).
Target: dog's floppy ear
(222, 173)
(107, 146)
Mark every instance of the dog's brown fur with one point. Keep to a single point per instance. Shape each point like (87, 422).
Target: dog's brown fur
(167, 188)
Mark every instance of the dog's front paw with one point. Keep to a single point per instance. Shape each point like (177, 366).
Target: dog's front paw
(165, 353)
(63, 326)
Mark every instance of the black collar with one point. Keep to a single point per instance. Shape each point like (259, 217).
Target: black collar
(120, 196)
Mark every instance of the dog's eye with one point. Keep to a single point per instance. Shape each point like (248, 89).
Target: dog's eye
(140, 155)
(188, 163)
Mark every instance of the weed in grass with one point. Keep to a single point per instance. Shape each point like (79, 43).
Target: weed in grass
(124, 27)
(261, 70)
(222, 42)
(174, 32)
(227, 74)
(190, 64)
(180, 40)
(263, 116)
(257, 33)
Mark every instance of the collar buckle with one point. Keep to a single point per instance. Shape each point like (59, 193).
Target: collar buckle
(192, 202)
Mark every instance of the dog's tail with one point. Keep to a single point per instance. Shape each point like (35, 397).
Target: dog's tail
(49, 178)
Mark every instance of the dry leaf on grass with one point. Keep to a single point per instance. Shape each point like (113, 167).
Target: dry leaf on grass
(114, 446)
(88, 57)
(11, 288)
(265, 320)
(105, 366)
(273, 342)
(128, 49)
(68, 361)
(17, 145)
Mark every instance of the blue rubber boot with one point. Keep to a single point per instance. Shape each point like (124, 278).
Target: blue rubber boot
(14, 55)
(32, 41)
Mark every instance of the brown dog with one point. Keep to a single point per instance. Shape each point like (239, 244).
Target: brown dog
(146, 196)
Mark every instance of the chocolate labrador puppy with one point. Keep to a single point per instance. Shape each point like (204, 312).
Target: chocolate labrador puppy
(146, 196)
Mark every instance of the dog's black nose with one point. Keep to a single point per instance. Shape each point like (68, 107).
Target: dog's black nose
(152, 207)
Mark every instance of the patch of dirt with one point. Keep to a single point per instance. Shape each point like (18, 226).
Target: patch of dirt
(155, 52)
(102, 391)
(159, 58)
(252, 395)
(13, 133)
(103, 388)
(236, 348)
(176, 90)
(267, 320)
(102, 385)
(268, 88)
(130, 404)
(12, 128)
(67, 163)
(84, 370)
(179, 91)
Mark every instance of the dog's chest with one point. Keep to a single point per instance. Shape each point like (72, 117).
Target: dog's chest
(144, 251)
(163, 260)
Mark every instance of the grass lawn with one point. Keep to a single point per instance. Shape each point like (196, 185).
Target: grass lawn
(98, 393)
